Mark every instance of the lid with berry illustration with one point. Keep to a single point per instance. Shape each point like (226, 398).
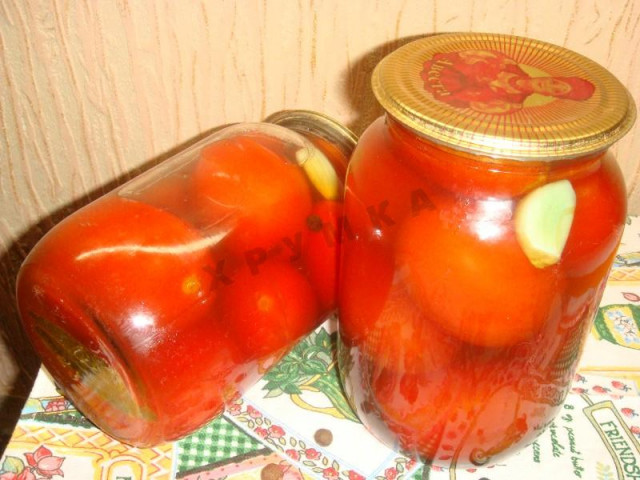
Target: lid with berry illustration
(504, 96)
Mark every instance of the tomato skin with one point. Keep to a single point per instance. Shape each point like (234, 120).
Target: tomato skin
(248, 192)
(267, 311)
(418, 347)
(321, 251)
(366, 273)
(123, 272)
(381, 189)
(483, 291)
(598, 219)
(124, 294)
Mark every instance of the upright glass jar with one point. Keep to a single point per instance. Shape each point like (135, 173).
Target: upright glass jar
(483, 214)
(160, 302)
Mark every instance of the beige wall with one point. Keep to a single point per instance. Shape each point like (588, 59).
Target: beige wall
(93, 90)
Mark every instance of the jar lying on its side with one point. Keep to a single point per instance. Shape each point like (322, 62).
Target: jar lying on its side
(484, 213)
(161, 301)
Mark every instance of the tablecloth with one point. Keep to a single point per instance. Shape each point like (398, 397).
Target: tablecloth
(296, 424)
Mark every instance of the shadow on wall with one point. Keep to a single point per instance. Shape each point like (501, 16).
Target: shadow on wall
(21, 355)
(358, 91)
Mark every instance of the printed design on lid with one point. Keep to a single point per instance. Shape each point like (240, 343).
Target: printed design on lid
(491, 82)
(503, 96)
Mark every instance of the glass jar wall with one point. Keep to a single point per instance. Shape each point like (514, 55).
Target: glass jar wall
(155, 305)
(483, 212)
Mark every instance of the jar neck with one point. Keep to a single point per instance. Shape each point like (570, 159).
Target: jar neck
(566, 167)
(327, 134)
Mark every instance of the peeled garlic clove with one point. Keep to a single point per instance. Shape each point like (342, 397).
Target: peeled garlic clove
(320, 172)
(543, 220)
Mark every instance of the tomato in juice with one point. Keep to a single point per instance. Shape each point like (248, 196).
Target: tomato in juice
(250, 193)
(144, 285)
(268, 310)
(381, 206)
(321, 241)
(484, 211)
(460, 300)
(156, 305)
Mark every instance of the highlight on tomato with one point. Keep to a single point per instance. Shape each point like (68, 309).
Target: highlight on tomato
(127, 274)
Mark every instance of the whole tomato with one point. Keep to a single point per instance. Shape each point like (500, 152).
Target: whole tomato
(119, 283)
(466, 270)
(130, 264)
(268, 310)
(380, 190)
(598, 220)
(249, 194)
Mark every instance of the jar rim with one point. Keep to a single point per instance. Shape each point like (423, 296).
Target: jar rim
(309, 121)
(503, 96)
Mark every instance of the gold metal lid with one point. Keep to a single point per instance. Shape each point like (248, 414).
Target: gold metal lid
(503, 96)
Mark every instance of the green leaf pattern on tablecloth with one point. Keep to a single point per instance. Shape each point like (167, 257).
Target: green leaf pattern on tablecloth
(12, 465)
(310, 367)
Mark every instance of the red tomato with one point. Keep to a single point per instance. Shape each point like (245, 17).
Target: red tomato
(468, 273)
(128, 263)
(465, 174)
(123, 281)
(194, 372)
(598, 219)
(270, 310)
(366, 272)
(382, 189)
(257, 196)
(321, 248)
(403, 339)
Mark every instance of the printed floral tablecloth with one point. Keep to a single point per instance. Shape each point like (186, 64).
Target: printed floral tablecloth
(296, 424)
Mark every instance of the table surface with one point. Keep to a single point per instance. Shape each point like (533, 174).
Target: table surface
(296, 425)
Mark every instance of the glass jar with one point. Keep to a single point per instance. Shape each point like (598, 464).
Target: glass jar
(163, 300)
(482, 215)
